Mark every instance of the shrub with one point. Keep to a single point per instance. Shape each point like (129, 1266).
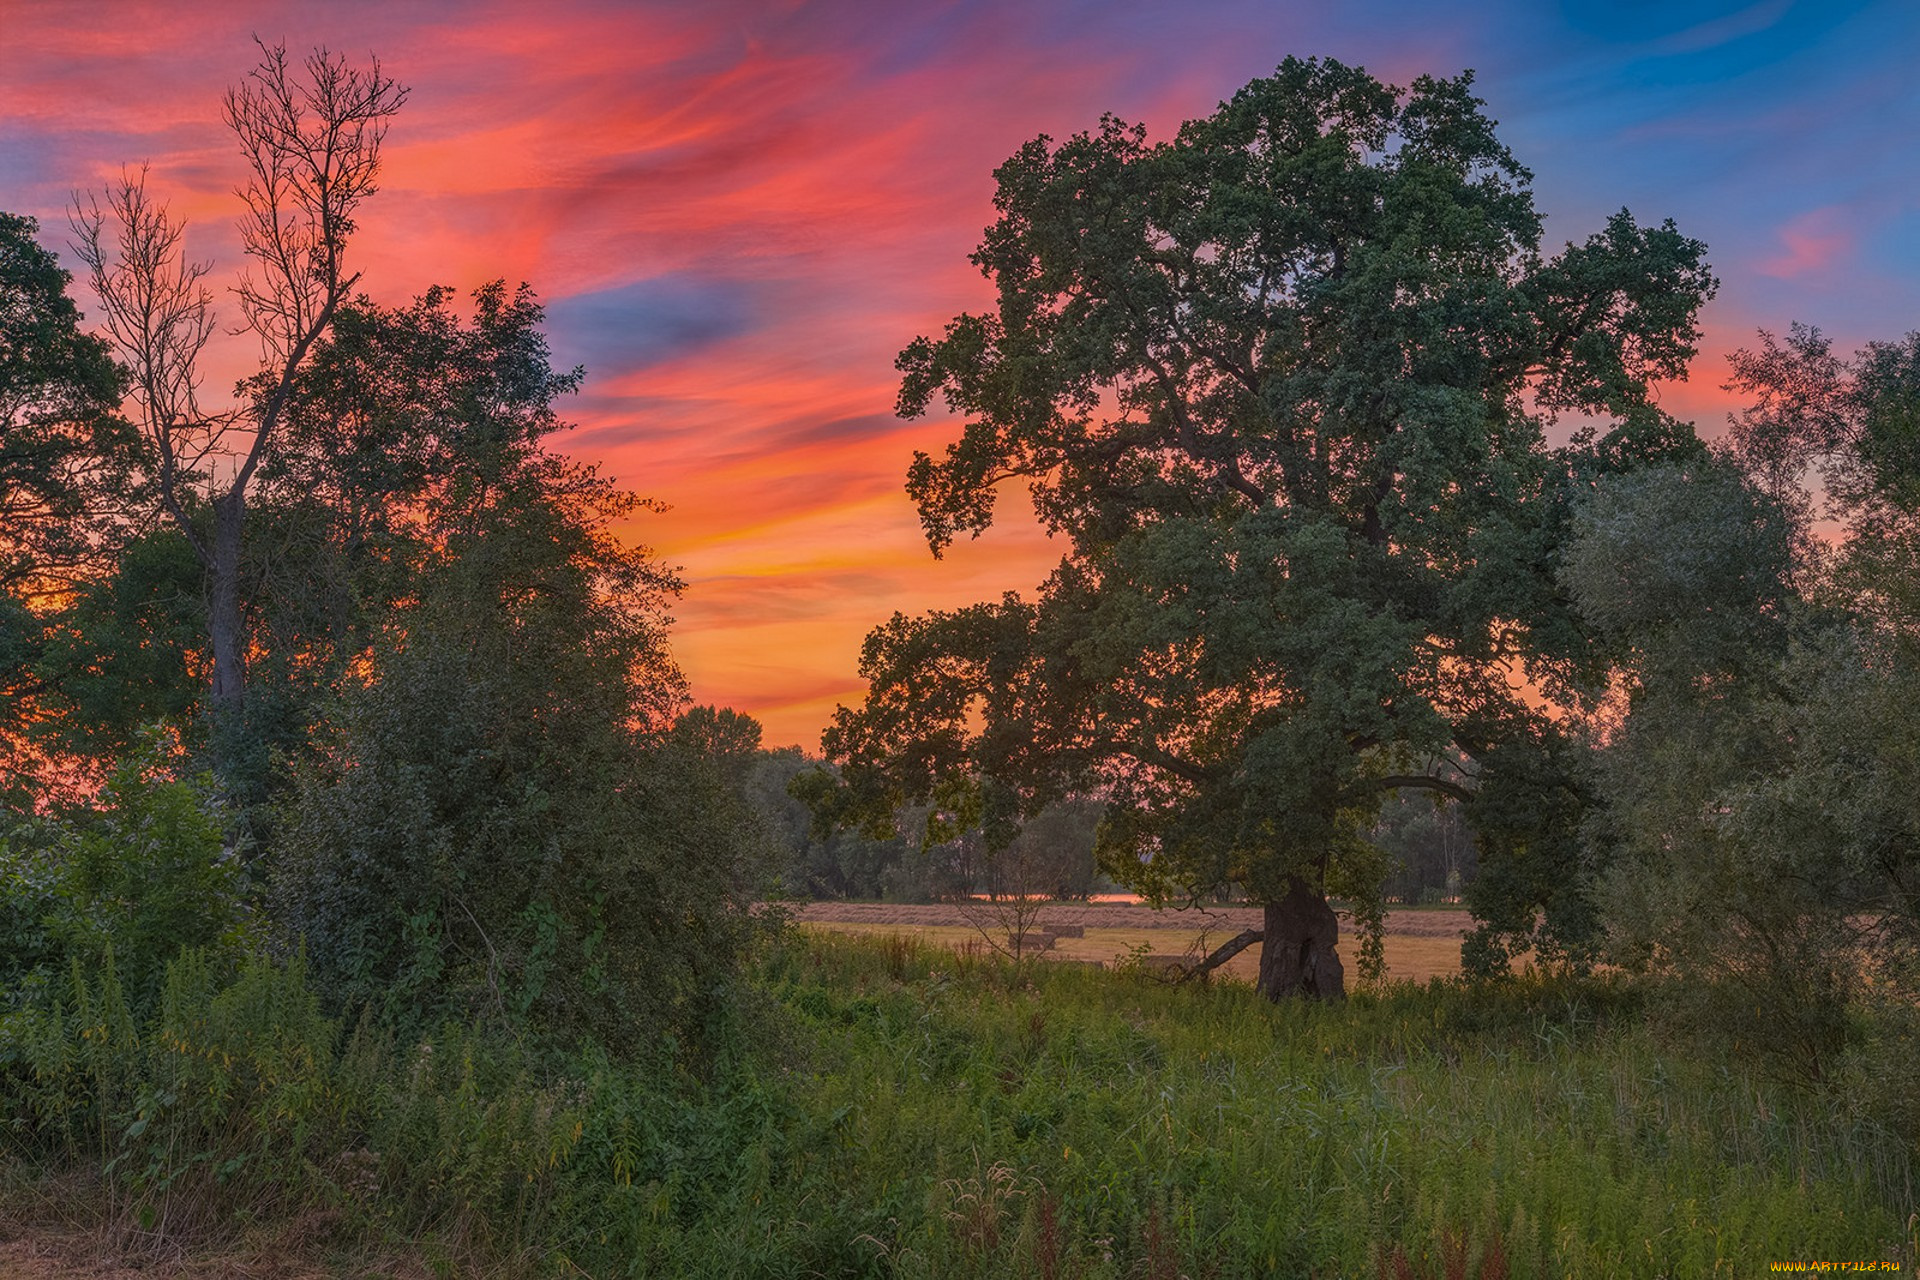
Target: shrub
(504, 825)
(142, 872)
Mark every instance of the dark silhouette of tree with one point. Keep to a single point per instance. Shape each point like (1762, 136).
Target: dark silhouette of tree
(1281, 385)
(59, 424)
(509, 811)
(62, 466)
(311, 138)
(1760, 824)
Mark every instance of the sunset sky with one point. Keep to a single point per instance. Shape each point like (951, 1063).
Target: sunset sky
(739, 213)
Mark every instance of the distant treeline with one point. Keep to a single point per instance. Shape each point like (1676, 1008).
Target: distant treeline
(1430, 850)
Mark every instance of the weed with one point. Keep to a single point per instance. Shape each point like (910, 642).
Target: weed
(1109, 1129)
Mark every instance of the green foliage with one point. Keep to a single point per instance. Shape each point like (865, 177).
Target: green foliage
(1282, 384)
(1759, 788)
(137, 876)
(1055, 849)
(1758, 825)
(1004, 1119)
(816, 860)
(60, 436)
(59, 395)
(920, 1116)
(236, 1101)
(401, 417)
(1536, 884)
(398, 429)
(1430, 846)
(501, 822)
(127, 651)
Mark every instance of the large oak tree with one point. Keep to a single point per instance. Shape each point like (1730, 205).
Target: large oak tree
(1282, 385)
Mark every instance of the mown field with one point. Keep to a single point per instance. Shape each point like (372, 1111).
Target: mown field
(1420, 944)
(1410, 957)
(885, 1108)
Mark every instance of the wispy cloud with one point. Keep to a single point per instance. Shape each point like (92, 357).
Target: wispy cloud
(1813, 242)
(740, 212)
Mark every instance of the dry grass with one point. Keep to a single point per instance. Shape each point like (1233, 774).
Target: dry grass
(54, 1256)
(60, 1230)
(1410, 957)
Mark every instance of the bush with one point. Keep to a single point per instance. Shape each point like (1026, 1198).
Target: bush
(220, 1099)
(236, 1101)
(141, 873)
(504, 824)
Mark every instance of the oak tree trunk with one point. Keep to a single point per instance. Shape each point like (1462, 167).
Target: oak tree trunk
(1297, 956)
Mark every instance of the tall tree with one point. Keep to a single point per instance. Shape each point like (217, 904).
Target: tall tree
(59, 424)
(1281, 384)
(1759, 824)
(505, 815)
(311, 139)
(60, 438)
(1839, 436)
(401, 416)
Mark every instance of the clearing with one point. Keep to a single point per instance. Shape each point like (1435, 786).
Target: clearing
(1421, 943)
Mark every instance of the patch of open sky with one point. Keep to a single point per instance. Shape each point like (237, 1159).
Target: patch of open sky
(1894, 249)
(648, 322)
(930, 41)
(1599, 79)
(34, 162)
(38, 175)
(1738, 121)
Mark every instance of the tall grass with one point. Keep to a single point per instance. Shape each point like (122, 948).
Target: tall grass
(1115, 1122)
(888, 1110)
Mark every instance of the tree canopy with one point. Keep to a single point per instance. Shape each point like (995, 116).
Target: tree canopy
(1282, 385)
(63, 467)
(1758, 827)
(311, 136)
(59, 423)
(499, 813)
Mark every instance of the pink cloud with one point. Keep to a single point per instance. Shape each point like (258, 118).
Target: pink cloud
(1811, 242)
(829, 164)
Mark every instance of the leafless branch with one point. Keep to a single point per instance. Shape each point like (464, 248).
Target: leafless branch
(159, 314)
(312, 146)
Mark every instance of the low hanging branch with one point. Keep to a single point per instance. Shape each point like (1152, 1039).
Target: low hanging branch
(1221, 954)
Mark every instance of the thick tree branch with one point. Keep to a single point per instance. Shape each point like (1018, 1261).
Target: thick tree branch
(1221, 954)
(1420, 782)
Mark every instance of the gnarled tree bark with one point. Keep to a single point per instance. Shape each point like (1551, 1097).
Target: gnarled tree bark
(1297, 957)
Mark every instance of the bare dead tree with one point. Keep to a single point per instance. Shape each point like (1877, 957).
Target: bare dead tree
(311, 138)
(1010, 918)
(159, 315)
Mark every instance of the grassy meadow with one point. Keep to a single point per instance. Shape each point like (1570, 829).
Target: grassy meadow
(376, 900)
(881, 1107)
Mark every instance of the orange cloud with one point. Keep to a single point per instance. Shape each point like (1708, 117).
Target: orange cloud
(740, 212)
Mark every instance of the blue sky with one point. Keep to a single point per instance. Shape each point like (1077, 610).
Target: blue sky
(740, 212)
